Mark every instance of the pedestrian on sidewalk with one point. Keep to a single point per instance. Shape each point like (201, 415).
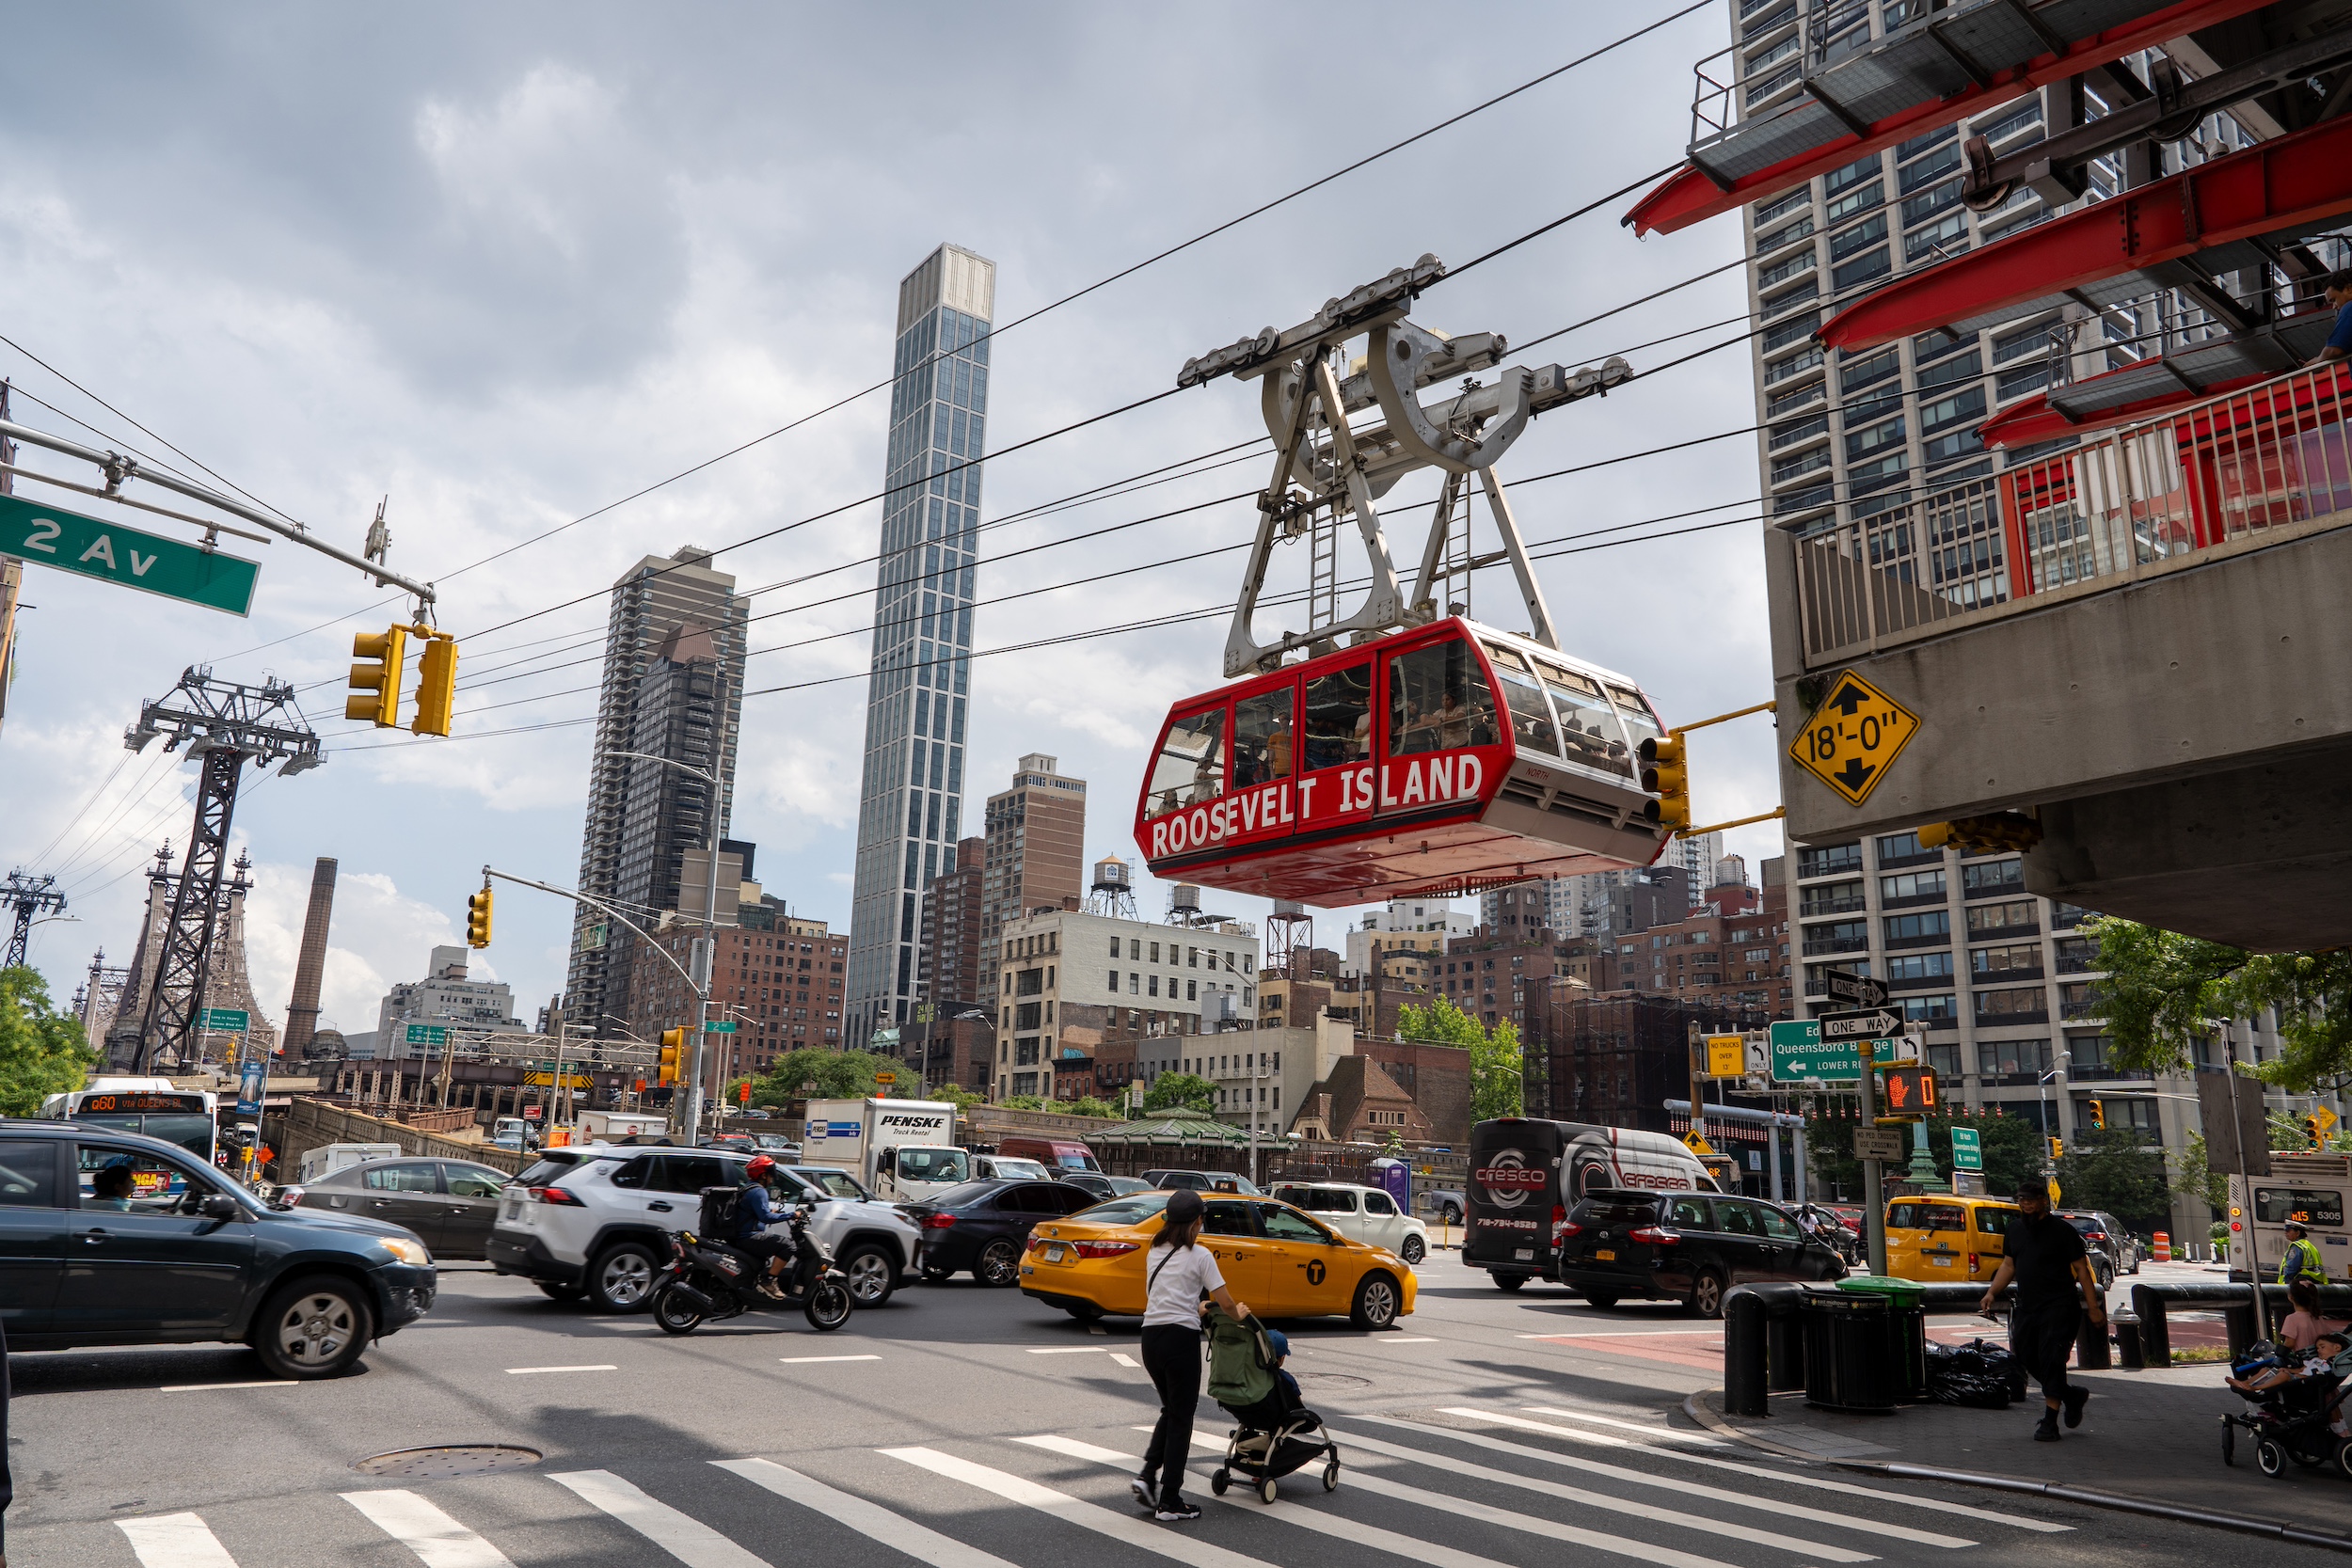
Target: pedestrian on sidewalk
(1179, 1274)
(2306, 1323)
(2055, 1289)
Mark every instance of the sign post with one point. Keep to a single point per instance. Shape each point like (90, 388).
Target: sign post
(1873, 1188)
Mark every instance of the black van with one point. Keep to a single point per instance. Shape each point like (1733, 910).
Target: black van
(1524, 1173)
(1689, 1247)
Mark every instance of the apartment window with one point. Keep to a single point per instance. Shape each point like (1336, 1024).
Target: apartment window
(1861, 444)
(1918, 930)
(1831, 898)
(1948, 236)
(1920, 208)
(1985, 877)
(1786, 234)
(1840, 935)
(1865, 372)
(2013, 1059)
(2029, 340)
(1847, 241)
(1915, 967)
(2013, 1006)
(1113, 982)
(1828, 860)
(2018, 959)
(1937, 1009)
(1869, 196)
(1912, 884)
(1943, 372)
(2076, 955)
(2078, 999)
(1877, 264)
(1927, 172)
(1901, 847)
(1839, 179)
(1773, 212)
(2016, 917)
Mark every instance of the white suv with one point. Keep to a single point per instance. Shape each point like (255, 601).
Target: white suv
(593, 1221)
(1366, 1214)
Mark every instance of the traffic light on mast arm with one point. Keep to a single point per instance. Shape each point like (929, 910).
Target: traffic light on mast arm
(478, 919)
(2057, 1148)
(1665, 775)
(2098, 1115)
(436, 681)
(2311, 1130)
(376, 677)
(673, 1042)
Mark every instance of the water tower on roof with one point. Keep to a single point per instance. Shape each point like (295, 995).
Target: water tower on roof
(1113, 892)
(1290, 935)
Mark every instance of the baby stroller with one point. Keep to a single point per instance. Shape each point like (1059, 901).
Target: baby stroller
(1278, 1433)
(2295, 1420)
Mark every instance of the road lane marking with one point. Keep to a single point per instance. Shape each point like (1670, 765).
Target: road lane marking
(1069, 1350)
(1131, 1528)
(869, 1519)
(525, 1371)
(1621, 1334)
(175, 1541)
(682, 1536)
(1682, 1485)
(1125, 1360)
(1786, 1478)
(812, 1360)
(1329, 1524)
(1648, 1428)
(438, 1541)
(1402, 1338)
(200, 1387)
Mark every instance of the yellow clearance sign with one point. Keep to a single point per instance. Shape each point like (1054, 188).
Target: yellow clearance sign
(1726, 1057)
(1853, 738)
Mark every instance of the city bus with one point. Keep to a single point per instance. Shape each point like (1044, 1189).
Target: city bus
(189, 1117)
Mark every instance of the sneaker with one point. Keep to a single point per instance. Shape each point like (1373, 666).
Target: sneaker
(1143, 1486)
(1176, 1514)
(2076, 1399)
(2047, 1431)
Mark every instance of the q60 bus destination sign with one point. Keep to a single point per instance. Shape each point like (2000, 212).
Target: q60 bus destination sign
(1419, 781)
(151, 1104)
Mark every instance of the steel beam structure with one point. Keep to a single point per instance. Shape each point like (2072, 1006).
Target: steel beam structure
(27, 895)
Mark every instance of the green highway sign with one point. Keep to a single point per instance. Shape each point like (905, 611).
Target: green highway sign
(1967, 1149)
(427, 1034)
(128, 557)
(1798, 1054)
(227, 1020)
(718, 1026)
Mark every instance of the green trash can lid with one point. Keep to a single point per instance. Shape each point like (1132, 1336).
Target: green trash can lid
(1909, 1292)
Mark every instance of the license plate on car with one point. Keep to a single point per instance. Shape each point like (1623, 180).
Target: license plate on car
(1941, 1263)
(1055, 1254)
(1524, 1254)
(1606, 1256)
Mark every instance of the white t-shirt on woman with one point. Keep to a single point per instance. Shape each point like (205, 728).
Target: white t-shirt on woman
(1178, 1276)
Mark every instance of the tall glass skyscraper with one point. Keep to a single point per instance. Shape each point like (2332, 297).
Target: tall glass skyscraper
(909, 801)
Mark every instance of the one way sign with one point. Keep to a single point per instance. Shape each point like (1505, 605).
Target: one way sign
(1853, 738)
(1877, 1024)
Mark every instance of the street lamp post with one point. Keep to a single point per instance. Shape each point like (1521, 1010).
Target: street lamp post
(2049, 1167)
(705, 957)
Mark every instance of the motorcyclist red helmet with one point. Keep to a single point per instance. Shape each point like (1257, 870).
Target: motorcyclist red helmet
(759, 1168)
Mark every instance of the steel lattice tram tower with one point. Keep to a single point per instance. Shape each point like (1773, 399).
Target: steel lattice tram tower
(27, 895)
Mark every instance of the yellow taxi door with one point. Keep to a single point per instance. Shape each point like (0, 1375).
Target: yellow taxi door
(1991, 1222)
(1230, 1232)
(1310, 1267)
(1904, 1237)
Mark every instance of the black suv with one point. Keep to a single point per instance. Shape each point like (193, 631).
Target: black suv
(110, 1238)
(1689, 1247)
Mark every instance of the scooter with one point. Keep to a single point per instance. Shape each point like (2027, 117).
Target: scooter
(709, 1281)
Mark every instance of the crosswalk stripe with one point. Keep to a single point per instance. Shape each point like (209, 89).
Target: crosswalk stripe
(869, 1519)
(682, 1536)
(175, 1541)
(1619, 1505)
(1130, 1528)
(438, 1541)
(1786, 1478)
(1332, 1525)
(1648, 1428)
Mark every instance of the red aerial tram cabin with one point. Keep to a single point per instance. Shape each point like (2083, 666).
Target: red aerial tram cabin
(1442, 759)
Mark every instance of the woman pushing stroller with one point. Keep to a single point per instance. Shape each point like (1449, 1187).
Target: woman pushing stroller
(1181, 1273)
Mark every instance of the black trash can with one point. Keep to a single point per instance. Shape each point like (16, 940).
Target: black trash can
(1849, 1352)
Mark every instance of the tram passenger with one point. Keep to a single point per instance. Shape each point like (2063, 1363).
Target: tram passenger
(1204, 783)
(2338, 344)
(1419, 732)
(1453, 720)
(1277, 751)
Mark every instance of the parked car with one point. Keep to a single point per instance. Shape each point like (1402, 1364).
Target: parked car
(1368, 1214)
(1282, 1263)
(983, 1226)
(2107, 1236)
(596, 1221)
(1104, 1186)
(1620, 1243)
(1007, 1168)
(1204, 1181)
(777, 1145)
(1443, 1204)
(741, 1142)
(309, 1290)
(449, 1203)
(1057, 1155)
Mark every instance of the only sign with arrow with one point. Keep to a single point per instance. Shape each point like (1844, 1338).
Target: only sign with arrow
(1853, 738)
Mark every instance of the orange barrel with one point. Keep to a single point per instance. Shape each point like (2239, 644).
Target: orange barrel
(2164, 1247)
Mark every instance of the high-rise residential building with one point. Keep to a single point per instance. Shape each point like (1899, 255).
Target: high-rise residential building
(910, 800)
(673, 688)
(1698, 856)
(1036, 835)
(951, 980)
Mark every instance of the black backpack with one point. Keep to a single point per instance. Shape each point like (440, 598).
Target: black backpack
(722, 1207)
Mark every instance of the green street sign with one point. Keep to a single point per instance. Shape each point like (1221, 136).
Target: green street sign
(427, 1034)
(128, 557)
(718, 1026)
(1967, 1149)
(227, 1020)
(1798, 1054)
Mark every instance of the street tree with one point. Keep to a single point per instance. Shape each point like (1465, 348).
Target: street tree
(2110, 1169)
(2164, 993)
(1181, 1091)
(838, 1074)
(42, 1052)
(1498, 1062)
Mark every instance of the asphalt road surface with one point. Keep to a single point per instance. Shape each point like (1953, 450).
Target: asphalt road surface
(969, 1428)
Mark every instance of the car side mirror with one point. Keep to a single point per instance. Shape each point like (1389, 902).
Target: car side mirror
(220, 1206)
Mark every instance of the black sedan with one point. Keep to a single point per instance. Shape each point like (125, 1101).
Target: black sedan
(1102, 1187)
(449, 1203)
(983, 1226)
(1690, 1247)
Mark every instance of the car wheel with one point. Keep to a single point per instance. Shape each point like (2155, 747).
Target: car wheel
(1413, 1251)
(1707, 1294)
(1603, 1299)
(1450, 1214)
(621, 1280)
(1508, 1281)
(999, 1264)
(1085, 1311)
(559, 1293)
(1376, 1303)
(873, 1273)
(2105, 1276)
(314, 1328)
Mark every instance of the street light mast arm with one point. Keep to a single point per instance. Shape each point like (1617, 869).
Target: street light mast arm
(602, 908)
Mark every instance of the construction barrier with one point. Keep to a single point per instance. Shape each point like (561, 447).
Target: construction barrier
(2164, 1247)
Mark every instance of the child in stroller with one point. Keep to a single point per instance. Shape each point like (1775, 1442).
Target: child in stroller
(2296, 1408)
(1278, 1433)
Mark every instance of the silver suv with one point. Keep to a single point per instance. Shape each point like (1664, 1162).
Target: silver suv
(595, 1221)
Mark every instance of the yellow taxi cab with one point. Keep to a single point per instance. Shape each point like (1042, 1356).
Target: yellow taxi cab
(1954, 1239)
(1278, 1262)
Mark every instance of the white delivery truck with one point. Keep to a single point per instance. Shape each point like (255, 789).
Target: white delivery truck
(902, 1149)
(604, 1127)
(327, 1159)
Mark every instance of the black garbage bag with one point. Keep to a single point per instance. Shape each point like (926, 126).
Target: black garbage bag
(1976, 1376)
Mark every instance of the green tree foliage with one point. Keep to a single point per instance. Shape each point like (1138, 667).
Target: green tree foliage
(1498, 1066)
(2165, 992)
(2110, 1169)
(956, 1095)
(2193, 1167)
(1023, 1102)
(1174, 1091)
(41, 1051)
(1088, 1105)
(838, 1074)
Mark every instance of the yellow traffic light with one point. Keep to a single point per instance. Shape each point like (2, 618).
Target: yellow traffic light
(673, 1042)
(478, 919)
(375, 683)
(2058, 1149)
(1938, 835)
(2005, 829)
(437, 682)
(1665, 775)
(2311, 1130)
(2098, 1115)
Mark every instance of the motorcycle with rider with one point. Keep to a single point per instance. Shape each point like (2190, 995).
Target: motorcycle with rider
(736, 1262)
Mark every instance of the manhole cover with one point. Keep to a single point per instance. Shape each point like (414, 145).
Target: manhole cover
(1335, 1380)
(453, 1459)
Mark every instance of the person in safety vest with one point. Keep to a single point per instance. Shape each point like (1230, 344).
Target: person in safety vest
(2301, 1259)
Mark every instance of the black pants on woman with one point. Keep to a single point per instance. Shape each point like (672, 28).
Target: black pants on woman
(1171, 1356)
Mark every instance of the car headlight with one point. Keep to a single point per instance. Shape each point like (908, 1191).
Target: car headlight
(406, 1251)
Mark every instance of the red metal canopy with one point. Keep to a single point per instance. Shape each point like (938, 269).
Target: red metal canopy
(1690, 194)
(2297, 181)
(2034, 420)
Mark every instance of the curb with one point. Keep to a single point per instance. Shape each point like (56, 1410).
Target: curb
(1695, 1407)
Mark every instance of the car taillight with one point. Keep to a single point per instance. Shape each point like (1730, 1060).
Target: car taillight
(1972, 1264)
(938, 1222)
(1559, 1223)
(1564, 1229)
(2094, 1235)
(556, 1196)
(1103, 1249)
(1653, 1235)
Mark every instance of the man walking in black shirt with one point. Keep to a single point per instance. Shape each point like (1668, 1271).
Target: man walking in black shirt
(2045, 1255)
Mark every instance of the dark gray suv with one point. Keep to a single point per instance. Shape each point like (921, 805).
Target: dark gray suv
(111, 1238)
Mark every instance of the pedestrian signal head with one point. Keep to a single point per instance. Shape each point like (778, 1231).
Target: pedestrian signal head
(1665, 775)
(478, 919)
(376, 677)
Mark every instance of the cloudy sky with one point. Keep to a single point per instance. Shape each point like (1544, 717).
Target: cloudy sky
(511, 264)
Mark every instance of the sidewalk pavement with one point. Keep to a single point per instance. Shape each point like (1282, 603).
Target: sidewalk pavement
(2155, 1435)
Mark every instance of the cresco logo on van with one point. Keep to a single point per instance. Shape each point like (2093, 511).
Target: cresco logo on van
(1509, 1178)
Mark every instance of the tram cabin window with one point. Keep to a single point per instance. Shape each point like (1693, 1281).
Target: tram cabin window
(1640, 724)
(1439, 698)
(1587, 724)
(1531, 716)
(1338, 717)
(1261, 738)
(1190, 768)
